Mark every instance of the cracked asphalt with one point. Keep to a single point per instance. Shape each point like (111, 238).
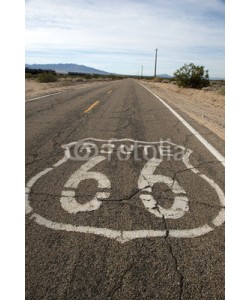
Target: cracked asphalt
(63, 262)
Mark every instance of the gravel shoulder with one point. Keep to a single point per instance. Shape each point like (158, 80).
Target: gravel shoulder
(206, 107)
(34, 88)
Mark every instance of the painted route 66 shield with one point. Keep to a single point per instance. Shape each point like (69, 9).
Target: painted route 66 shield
(125, 189)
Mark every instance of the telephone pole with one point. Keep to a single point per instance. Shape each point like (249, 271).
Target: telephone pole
(155, 60)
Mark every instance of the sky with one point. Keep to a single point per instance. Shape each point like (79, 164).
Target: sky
(121, 36)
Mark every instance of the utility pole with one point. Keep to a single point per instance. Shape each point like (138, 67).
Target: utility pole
(141, 70)
(155, 60)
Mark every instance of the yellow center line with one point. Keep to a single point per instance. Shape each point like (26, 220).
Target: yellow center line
(91, 106)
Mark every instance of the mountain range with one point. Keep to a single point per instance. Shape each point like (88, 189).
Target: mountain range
(165, 76)
(65, 68)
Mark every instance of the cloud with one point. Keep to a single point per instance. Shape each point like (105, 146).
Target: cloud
(122, 35)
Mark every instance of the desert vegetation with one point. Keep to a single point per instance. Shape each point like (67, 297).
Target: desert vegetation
(192, 76)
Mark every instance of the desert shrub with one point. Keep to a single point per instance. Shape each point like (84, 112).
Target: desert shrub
(47, 77)
(28, 75)
(222, 91)
(157, 79)
(192, 76)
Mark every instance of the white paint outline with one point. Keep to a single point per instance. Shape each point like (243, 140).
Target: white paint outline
(118, 140)
(123, 236)
(69, 145)
(209, 147)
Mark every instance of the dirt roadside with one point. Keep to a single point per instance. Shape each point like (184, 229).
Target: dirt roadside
(34, 88)
(206, 107)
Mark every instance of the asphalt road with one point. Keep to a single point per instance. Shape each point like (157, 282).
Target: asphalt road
(125, 223)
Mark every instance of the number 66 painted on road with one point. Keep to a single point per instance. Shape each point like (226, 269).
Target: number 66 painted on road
(147, 180)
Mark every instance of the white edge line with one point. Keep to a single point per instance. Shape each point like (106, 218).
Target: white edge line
(43, 96)
(212, 150)
(63, 91)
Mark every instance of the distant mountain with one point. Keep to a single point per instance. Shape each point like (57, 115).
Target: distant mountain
(65, 68)
(165, 76)
(216, 78)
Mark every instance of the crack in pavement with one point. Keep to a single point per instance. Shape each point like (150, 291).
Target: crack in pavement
(72, 274)
(174, 178)
(102, 200)
(126, 198)
(177, 268)
(120, 284)
(137, 191)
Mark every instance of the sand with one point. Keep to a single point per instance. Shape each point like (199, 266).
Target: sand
(206, 107)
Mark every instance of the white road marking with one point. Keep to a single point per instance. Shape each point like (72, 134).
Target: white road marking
(119, 236)
(190, 233)
(117, 140)
(60, 92)
(127, 236)
(216, 187)
(37, 176)
(60, 162)
(123, 236)
(68, 200)
(212, 150)
(29, 185)
(147, 178)
(114, 234)
(28, 100)
(28, 208)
